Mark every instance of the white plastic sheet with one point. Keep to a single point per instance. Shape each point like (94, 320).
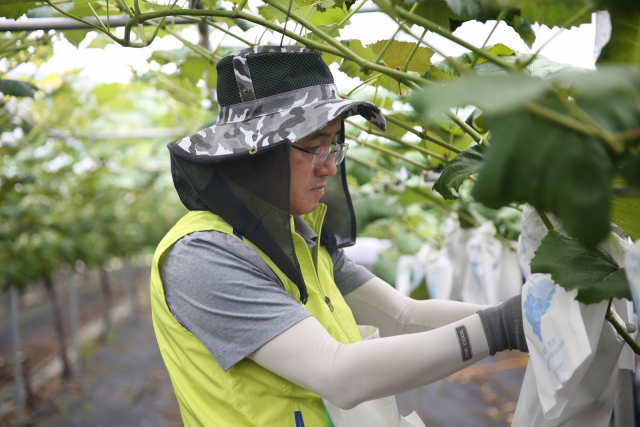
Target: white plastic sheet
(574, 352)
(374, 413)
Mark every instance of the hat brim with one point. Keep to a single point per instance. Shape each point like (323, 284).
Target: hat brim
(231, 139)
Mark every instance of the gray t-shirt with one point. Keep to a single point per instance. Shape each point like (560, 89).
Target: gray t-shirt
(221, 290)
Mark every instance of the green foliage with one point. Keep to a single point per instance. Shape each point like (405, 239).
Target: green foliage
(593, 273)
(398, 53)
(563, 171)
(624, 45)
(465, 164)
(17, 88)
(626, 214)
(15, 11)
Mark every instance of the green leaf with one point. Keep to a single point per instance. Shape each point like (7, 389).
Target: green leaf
(329, 29)
(626, 214)
(436, 11)
(532, 160)
(298, 7)
(522, 27)
(15, 11)
(398, 53)
(624, 45)
(465, 164)
(194, 67)
(478, 10)
(17, 88)
(75, 37)
(487, 92)
(593, 273)
(553, 13)
(329, 17)
(444, 70)
(100, 42)
(631, 171)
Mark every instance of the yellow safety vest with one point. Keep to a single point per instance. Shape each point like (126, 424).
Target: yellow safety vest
(247, 394)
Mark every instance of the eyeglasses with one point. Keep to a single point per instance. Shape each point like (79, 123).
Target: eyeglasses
(321, 154)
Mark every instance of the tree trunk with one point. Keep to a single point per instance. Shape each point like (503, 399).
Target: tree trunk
(106, 304)
(58, 324)
(26, 376)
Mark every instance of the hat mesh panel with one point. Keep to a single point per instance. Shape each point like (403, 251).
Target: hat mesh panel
(274, 73)
(227, 88)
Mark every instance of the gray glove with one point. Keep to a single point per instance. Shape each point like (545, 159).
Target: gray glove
(503, 326)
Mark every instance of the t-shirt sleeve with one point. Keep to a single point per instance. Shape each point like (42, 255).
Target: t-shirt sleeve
(221, 290)
(348, 275)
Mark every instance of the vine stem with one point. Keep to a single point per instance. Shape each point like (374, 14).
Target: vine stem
(413, 52)
(545, 219)
(399, 141)
(370, 164)
(388, 44)
(387, 151)
(621, 330)
(446, 34)
(348, 53)
(346, 18)
(423, 135)
(218, 27)
(500, 17)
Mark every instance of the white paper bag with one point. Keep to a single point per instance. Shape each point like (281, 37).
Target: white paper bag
(374, 413)
(574, 352)
(455, 239)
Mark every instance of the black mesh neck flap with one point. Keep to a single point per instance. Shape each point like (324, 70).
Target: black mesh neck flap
(250, 194)
(339, 226)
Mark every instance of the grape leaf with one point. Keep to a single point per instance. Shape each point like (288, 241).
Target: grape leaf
(17, 88)
(99, 42)
(444, 70)
(624, 45)
(75, 37)
(593, 273)
(626, 214)
(15, 11)
(553, 13)
(194, 67)
(487, 92)
(466, 163)
(399, 52)
(532, 160)
(522, 27)
(436, 11)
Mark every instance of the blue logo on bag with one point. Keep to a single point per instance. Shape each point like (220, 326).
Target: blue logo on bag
(537, 303)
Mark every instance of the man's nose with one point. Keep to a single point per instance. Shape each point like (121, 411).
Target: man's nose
(327, 168)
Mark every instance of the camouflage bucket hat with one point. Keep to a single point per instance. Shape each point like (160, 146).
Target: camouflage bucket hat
(240, 169)
(268, 95)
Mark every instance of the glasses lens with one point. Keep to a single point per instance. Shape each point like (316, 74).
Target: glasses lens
(321, 155)
(341, 153)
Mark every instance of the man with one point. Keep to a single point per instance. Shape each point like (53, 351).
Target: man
(255, 306)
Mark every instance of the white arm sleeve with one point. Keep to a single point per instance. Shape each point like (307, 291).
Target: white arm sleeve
(379, 304)
(348, 375)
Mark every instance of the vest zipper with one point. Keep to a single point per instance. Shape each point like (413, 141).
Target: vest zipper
(328, 301)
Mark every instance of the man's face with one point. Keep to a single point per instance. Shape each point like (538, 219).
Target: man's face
(307, 182)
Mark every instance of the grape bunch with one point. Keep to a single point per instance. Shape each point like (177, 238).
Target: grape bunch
(537, 303)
